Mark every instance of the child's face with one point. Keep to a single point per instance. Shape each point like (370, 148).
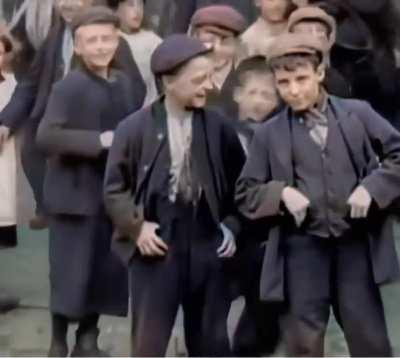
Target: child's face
(300, 88)
(2, 54)
(224, 45)
(257, 97)
(131, 13)
(273, 10)
(96, 44)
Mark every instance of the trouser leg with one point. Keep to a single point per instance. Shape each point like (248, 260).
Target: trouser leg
(359, 300)
(155, 295)
(308, 270)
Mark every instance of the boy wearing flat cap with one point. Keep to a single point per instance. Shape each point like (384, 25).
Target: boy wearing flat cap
(169, 189)
(325, 171)
(77, 130)
(52, 62)
(314, 21)
(220, 27)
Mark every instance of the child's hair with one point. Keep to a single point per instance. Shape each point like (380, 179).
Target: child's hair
(256, 65)
(292, 61)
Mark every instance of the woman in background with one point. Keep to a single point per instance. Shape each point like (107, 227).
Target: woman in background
(8, 171)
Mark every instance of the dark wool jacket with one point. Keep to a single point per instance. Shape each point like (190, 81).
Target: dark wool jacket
(80, 108)
(138, 141)
(269, 168)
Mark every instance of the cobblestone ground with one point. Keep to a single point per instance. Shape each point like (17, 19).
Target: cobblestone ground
(25, 332)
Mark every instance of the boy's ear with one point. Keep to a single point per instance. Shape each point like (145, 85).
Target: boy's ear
(77, 47)
(321, 72)
(237, 94)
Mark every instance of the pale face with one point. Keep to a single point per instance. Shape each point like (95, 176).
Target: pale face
(189, 87)
(312, 28)
(257, 97)
(273, 10)
(300, 89)
(224, 47)
(2, 55)
(131, 13)
(69, 8)
(96, 44)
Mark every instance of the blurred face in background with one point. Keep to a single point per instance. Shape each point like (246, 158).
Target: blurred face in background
(69, 8)
(2, 54)
(188, 88)
(131, 13)
(96, 44)
(223, 42)
(274, 10)
(256, 96)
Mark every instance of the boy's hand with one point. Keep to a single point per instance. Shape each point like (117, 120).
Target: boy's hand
(296, 203)
(106, 139)
(148, 243)
(360, 202)
(228, 246)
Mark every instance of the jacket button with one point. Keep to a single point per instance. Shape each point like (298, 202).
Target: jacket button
(146, 168)
(160, 136)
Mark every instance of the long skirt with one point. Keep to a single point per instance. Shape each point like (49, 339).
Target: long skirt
(85, 276)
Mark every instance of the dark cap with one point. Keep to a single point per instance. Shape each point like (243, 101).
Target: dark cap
(95, 15)
(175, 51)
(223, 16)
(291, 43)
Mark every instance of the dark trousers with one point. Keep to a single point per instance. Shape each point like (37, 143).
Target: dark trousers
(190, 275)
(34, 164)
(258, 332)
(321, 273)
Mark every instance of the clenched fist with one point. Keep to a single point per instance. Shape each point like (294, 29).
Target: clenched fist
(296, 203)
(106, 139)
(360, 202)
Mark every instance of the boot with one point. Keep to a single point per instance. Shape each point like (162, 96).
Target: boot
(86, 339)
(38, 222)
(7, 302)
(58, 346)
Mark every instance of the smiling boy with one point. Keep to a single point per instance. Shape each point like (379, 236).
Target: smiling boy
(313, 170)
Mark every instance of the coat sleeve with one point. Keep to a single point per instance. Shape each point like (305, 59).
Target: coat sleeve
(22, 102)
(234, 159)
(257, 195)
(55, 137)
(383, 183)
(120, 184)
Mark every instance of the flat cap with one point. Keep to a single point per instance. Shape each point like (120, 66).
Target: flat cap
(291, 43)
(95, 15)
(309, 13)
(175, 51)
(223, 16)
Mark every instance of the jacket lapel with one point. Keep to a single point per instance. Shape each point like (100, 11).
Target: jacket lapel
(282, 156)
(202, 163)
(154, 137)
(354, 135)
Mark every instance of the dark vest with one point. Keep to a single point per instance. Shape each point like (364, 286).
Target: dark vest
(315, 175)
